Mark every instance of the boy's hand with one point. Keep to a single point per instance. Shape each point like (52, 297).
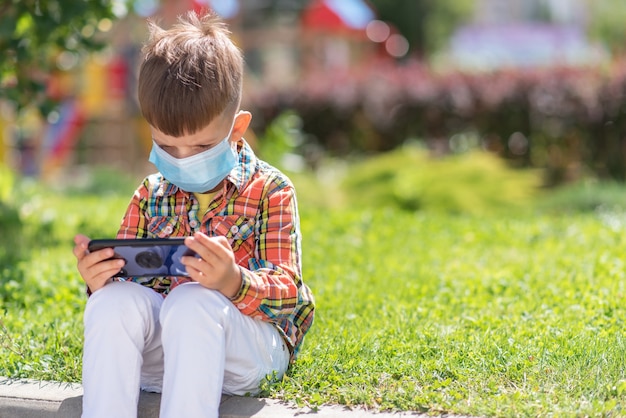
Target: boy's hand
(216, 267)
(95, 268)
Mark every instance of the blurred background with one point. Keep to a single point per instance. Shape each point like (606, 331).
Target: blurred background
(541, 84)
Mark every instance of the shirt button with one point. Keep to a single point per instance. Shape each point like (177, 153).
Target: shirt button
(234, 229)
(241, 305)
(193, 223)
(168, 229)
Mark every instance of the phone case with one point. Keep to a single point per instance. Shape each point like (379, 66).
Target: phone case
(147, 257)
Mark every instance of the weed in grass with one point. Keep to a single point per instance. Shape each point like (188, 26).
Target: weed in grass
(6, 341)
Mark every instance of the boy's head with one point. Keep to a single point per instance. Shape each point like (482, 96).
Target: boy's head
(191, 74)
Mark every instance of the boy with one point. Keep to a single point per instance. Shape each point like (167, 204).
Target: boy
(243, 312)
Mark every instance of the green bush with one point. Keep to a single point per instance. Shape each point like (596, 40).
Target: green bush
(10, 222)
(280, 139)
(408, 178)
(102, 181)
(585, 196)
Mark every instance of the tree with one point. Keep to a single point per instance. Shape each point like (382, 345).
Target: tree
(35, 33)
(427, 24)
(606, 23)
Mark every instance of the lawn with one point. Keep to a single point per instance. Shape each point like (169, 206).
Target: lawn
(500, 315)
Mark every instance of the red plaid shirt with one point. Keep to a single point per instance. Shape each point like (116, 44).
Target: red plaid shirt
(256, 211)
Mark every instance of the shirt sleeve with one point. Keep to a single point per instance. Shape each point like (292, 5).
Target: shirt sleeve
(272, 289)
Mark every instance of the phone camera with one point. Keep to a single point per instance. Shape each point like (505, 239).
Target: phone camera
(148, 260)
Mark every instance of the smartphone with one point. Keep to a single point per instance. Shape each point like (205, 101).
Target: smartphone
(147, 257)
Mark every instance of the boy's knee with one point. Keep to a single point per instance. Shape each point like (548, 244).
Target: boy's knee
(123, 300)
(192, 300)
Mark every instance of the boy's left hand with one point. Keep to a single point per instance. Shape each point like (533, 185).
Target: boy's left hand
(215, 268)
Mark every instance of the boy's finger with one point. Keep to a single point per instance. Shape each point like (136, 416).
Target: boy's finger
(81, 239)
(94, 263)
(203, 239)
(194, 274)
(106, 268)
(79, 251)
(217, 245)
(101, 255)
(223, 242)
(201, 244)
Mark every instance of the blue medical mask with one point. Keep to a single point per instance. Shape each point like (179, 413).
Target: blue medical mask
(200, 172)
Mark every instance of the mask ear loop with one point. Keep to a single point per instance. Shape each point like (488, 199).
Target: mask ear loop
(232, 126)
(239, 112)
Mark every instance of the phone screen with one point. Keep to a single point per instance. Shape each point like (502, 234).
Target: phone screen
(149, 257)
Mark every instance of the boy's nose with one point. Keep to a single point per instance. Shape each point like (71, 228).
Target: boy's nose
(182, 152)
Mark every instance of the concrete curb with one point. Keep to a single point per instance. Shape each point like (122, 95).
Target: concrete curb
(21, 398)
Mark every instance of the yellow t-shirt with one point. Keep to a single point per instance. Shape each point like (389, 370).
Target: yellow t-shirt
(204, 199)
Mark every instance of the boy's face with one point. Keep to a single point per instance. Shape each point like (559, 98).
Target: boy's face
(204, 139)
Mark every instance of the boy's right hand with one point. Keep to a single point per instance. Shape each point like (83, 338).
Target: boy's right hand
(96, 268)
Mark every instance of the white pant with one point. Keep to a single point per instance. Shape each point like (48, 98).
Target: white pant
(193, 346)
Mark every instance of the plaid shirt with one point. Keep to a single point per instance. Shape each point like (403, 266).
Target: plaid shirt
(256, 211)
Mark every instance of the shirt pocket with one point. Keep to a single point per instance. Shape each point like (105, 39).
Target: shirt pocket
(238, 230)
(165, 227)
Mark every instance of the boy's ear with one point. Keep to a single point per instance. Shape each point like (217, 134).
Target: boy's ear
(242, 121)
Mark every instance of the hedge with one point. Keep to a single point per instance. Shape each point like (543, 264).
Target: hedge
(569, 121)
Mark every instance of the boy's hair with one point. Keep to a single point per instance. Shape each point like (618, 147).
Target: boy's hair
(191, 74)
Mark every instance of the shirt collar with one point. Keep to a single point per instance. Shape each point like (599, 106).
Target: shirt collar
(240, 176)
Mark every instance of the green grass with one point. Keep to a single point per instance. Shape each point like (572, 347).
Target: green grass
(505, 317)
(428, 311)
